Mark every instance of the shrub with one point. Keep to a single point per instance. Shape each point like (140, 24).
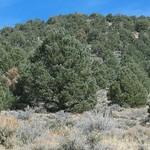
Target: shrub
(75, 141)
(6, 97)
(11, 57)
(22, 115)
(60, 75)
(91, 121)
(141, 25)
(10, 77)
(29, 131)
(8, 126)
(7, 82)
(127, 89)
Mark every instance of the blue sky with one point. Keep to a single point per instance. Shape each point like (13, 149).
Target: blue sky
(18, 11)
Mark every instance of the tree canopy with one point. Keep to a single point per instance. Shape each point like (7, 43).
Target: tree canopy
(62, 62)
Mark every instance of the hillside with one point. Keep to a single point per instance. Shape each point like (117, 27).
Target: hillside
(75, 82)
(114, 49)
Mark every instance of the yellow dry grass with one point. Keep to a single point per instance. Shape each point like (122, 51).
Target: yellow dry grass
(8, 122)
(130, 140)
(50, 140)
(120, 144)
(46, 142)
(8, 126)
(62, 131)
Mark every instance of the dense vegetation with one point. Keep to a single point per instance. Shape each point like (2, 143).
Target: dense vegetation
(62, 62)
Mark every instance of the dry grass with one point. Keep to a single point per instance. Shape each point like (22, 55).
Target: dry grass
(87, 131)
(46, 143)
(120, 144)
(63, 131)
(8, 126)
(8, 122)
(51, 140)
(133, 139)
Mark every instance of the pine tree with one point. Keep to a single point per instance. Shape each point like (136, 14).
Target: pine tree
(127, 89)
(60, 75)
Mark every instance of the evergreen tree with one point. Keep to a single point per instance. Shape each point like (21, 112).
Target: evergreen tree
(127, 89)
(115, 42)
(6, 97)
(60, 75)
(142, 25)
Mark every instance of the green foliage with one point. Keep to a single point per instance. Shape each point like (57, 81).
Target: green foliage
(142, 25)
(47, 55)
(109, 17)
(60, 75)
(11, 57)
(127, 89)
(6, 97)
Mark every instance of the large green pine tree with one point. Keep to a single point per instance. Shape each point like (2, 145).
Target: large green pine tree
(60, 75)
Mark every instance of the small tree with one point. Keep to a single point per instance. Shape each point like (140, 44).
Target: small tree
(142, 25)
(10, 57)
(6, 97)
(60, 76)
(127, 89)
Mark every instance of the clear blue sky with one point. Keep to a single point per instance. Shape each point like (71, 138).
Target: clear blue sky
(18, 11)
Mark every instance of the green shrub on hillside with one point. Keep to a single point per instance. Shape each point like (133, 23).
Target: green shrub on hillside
(60, 76)
(142, 25)
(6, 97)
(127, 89)
(114, 42)
(10, 58)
